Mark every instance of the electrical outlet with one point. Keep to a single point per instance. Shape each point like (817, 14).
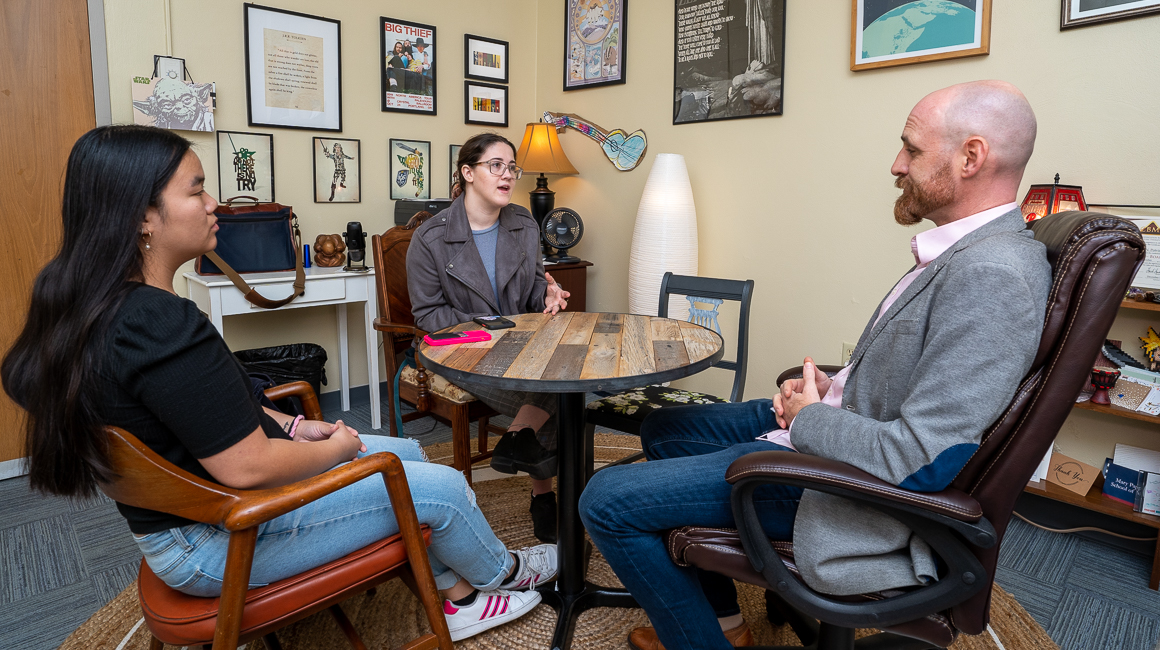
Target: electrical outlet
(847, 352)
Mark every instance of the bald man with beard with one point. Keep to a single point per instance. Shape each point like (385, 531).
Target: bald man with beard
(939, 360)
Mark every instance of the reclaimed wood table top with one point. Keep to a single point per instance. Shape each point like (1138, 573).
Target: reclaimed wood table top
(577, 352)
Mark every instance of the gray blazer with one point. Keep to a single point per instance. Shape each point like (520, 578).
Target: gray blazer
(446, 278)
(927, 380)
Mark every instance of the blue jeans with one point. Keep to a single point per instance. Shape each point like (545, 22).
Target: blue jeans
(192, 558)
(628, 509)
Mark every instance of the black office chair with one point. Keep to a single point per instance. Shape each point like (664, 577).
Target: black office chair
(625, 411)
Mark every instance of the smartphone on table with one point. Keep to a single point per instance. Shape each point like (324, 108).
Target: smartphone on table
(494, 322)
(455, 338)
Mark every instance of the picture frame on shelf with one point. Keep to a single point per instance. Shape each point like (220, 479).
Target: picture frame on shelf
(485, 59)
(337, 170)
(485, 104)
(882, 36)
(410, 169)
(293, 69)
(728, 60)
(408, 77)
(452, 168)
(595, 38)
(245, 165)
(1080, 13)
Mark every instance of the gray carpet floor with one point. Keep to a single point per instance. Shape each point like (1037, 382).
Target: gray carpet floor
(61, 561)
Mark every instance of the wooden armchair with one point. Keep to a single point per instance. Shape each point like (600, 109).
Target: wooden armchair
(429, 394)
(146, 480)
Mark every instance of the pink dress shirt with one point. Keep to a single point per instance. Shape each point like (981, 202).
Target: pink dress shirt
(926, 246)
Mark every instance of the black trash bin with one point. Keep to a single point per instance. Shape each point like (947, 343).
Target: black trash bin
(286, 363)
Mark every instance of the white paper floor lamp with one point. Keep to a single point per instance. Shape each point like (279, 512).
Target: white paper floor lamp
(665, 235)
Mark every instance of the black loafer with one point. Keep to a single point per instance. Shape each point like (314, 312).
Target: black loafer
(501, 455)
(523, 453)
(543, 511)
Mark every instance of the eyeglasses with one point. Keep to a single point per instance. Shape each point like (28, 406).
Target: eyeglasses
(496, 168)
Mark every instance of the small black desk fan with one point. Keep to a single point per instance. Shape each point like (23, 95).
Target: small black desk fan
(562, 229)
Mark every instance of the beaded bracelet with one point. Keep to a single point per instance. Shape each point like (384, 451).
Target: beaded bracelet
(294, 427)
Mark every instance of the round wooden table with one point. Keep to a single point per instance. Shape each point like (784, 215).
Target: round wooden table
(571, 354)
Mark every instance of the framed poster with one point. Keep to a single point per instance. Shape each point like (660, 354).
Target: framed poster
(453, 169)
(594, 42)
(337, 171)
(484, 104)
(900, 32)
(1077, 13)
(407, 51)
(410, 162)
(245, 165)
(293, 69)
(169, 103)
(729, 59)
(485, 59)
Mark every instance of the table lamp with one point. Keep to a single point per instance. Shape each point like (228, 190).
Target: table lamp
(1042, 200)
(541, 153)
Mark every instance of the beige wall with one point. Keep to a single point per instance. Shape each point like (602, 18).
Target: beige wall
(799, 203)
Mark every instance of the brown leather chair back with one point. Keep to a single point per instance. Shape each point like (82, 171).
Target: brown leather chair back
(1093, 258)
(390, 255)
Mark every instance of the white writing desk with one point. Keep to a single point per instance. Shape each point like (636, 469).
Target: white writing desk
(216, 296)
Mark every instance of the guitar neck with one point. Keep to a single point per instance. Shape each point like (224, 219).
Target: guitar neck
(590, 130)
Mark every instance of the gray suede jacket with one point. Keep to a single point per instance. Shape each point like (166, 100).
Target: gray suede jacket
(446, 278)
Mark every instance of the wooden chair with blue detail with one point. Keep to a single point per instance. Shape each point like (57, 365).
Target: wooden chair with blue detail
(146, 480)
(626, 411)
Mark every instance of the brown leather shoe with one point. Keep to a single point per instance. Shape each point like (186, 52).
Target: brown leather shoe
(645, 638)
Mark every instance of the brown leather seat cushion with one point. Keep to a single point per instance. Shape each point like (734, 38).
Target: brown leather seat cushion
(183, 620)
(720, 550)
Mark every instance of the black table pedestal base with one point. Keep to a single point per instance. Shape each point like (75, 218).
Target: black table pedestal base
(569, 608)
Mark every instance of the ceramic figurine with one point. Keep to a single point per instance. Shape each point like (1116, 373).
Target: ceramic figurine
(328, 250)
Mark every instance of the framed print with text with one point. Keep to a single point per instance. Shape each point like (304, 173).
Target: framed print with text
(729, 60)
(900, 32)
(410, 162)
(594, 42)
(407, 51)
(453, 169)
(245, 165)
(485, 104)
(485, 59)
(337, 171)
(293, 69)
(1077, 13)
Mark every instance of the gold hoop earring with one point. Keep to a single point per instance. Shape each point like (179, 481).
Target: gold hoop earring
(146, 236)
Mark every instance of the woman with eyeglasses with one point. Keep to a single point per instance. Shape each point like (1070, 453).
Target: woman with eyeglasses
(481, 257)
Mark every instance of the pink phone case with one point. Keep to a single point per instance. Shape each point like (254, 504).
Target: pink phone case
(470, 336)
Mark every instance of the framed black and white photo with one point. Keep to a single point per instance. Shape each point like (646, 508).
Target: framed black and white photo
(410, 164)
(1077, 13)
(407, 53)
(594, 43)
(337, 171)
(453, 168)
(485, 59)
(729, 60)
(484, 104)
(245, 165)
(293, 69)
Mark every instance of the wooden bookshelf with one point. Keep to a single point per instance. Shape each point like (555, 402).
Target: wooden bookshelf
(1145, 306)
(1112, 409)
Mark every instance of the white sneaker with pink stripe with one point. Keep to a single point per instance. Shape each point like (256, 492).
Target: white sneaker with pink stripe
(491, 608)
(537, 566)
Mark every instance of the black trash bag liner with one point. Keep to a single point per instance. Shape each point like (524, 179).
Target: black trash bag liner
(288, 363)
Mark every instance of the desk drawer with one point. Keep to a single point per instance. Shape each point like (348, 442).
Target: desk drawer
(316, 291)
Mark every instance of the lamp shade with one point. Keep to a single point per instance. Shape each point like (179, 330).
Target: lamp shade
(1042, 200)
(665, 235)
(541, 153)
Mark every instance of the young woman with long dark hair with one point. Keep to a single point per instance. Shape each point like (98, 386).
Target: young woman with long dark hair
(481, 257)
(108, 342)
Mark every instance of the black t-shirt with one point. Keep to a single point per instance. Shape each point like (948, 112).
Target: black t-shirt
(168, 378)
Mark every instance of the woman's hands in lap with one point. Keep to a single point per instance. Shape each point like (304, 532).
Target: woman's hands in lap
(316, 430)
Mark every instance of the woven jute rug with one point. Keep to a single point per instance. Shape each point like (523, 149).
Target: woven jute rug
(392, 616)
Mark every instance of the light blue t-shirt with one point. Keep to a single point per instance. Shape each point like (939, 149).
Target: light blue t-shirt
(485, 241)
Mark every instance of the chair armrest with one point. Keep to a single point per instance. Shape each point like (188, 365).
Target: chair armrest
(259, 506)
(796, 372)
(384, 325)
(814, 472)
(303, 391)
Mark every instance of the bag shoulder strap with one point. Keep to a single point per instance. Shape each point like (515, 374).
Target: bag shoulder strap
(251, 294)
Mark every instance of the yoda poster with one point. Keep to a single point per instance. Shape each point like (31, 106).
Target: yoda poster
(172, 104)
